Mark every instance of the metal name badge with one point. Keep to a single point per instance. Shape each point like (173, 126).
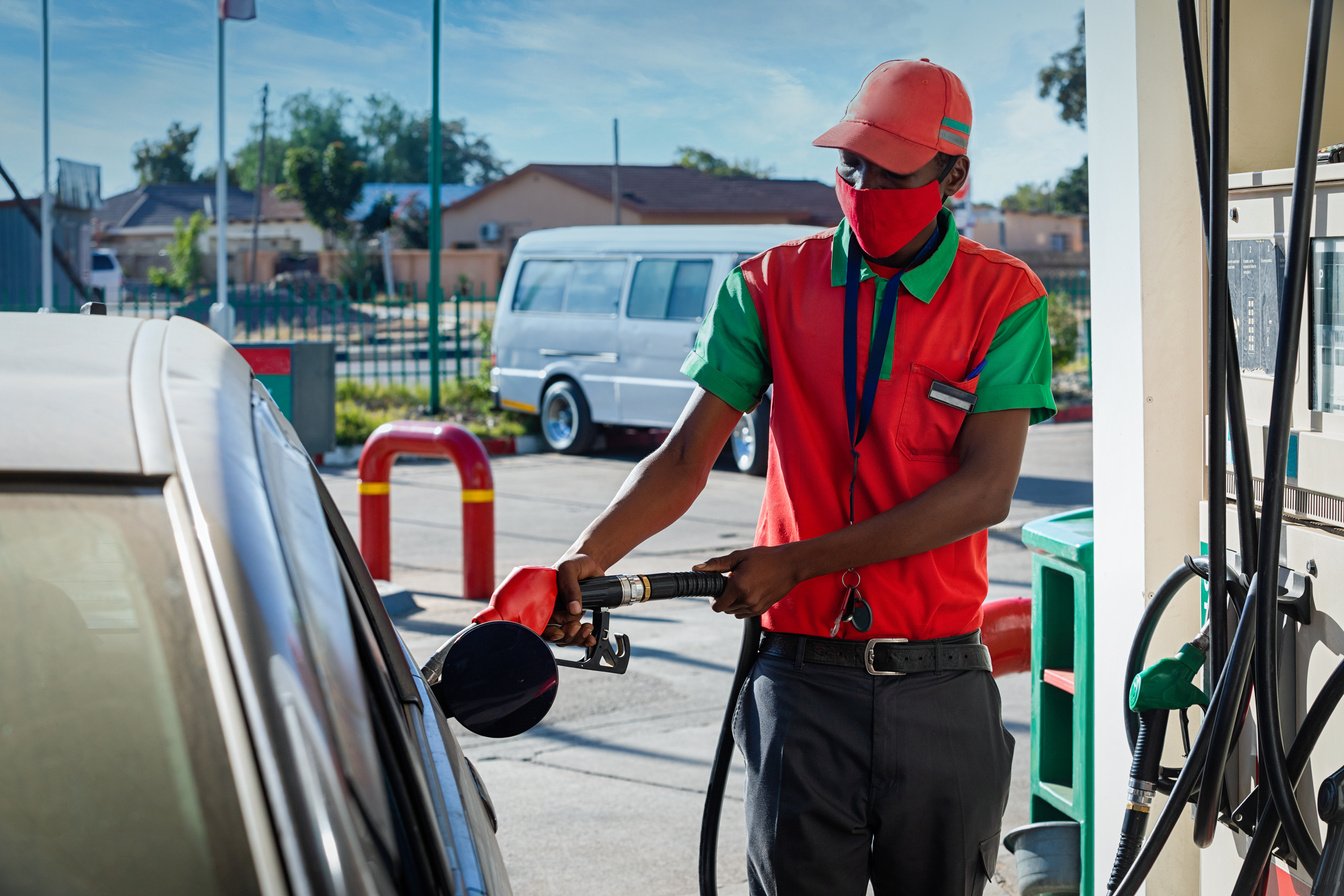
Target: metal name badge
(951, 396)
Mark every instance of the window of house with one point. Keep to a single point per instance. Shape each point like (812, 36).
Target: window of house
(669, 289)
(1059, 242)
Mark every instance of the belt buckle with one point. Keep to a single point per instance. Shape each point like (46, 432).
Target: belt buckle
(870, 648)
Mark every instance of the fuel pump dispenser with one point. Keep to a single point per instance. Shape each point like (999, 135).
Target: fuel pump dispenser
(1270, 645)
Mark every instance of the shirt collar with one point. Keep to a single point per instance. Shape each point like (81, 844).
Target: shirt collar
(922, 281)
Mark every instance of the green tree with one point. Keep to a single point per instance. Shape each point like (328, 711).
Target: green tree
(1030, 198)
(703, 160)
(307, 119)
(245, 161)
(166, 161)
(327, 184)
(184, 256)
(1065, 78)
(396, 145)
(1071, 190)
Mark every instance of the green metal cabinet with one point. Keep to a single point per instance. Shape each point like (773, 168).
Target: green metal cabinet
(1061, 670)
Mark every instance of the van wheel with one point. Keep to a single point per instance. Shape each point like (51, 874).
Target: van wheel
(566, 423)
(749, 445)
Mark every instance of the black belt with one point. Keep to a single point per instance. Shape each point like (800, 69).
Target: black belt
(883, 656)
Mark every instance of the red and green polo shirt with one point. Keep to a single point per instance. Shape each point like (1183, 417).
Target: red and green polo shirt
(968, 316)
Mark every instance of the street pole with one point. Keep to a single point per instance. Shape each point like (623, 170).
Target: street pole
(435, 176)
(616, 168)
(261, 183)
(46, 162)
(221, 313)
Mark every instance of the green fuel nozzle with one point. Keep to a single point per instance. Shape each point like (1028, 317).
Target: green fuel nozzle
(1168, 683)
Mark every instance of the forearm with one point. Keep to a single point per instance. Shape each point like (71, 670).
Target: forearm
(978, 495)
(951, 510)
(655, 494)
(664, 485)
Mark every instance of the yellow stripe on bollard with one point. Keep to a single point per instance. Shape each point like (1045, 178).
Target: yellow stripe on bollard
(374, 488)
(477, 495)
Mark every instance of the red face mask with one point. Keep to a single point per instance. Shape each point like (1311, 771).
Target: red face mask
(885, 221)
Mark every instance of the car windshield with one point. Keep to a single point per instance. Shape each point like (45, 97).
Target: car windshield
(113, 769)
(102, 262)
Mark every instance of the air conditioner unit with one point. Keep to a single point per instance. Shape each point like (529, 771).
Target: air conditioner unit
(491, 232)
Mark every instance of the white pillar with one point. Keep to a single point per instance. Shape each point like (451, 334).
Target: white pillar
(1148, 374)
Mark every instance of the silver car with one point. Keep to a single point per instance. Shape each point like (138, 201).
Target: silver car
(200, 691)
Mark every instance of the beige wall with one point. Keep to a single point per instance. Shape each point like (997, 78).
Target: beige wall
(1024, 232)
(539, 201)
(410, 267)
(530, 203)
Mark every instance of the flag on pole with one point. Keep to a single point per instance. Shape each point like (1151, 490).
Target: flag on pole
(237, 9)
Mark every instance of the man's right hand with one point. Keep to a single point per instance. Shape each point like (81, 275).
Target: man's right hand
(566, 625)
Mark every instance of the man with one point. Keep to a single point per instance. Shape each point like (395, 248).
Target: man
(906, 364)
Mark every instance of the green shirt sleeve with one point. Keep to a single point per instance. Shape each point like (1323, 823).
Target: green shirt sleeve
(1016, 372)
(730, 358)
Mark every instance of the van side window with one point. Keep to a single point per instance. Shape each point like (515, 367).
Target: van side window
(575, 287)
(666, 289)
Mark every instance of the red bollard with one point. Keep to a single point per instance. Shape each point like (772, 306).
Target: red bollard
(429, 439)
(1006, 631)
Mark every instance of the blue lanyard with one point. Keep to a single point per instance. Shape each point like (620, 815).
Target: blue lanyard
(859, 411)
(860, 416)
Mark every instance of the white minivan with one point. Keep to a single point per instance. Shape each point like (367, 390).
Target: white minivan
(594, 322)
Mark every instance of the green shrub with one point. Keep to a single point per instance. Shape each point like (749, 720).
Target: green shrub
(362, 408)
(1063, 323)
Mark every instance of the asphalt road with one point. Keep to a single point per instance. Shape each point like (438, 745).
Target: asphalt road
(605, 796)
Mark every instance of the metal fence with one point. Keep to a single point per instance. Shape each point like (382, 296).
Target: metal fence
(1074, 292)
(385, 339)
(379, 338)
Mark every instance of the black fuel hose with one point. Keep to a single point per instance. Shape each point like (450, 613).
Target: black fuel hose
(1273, 763)
(1143, 775)
(723, 755)
(618, 591)
(1267, 825)
(1190, 773)
(1224, 719)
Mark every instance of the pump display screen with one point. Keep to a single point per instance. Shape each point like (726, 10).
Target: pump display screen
(1327, 325)
(1255, 287)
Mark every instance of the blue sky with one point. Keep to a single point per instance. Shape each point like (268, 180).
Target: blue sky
(540, 79)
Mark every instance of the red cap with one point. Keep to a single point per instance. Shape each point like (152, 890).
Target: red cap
(904, 113)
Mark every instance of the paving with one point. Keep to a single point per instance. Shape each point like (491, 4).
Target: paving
(606, 794)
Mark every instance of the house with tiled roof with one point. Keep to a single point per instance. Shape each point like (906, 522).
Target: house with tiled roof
(542, 195)
(139, 223)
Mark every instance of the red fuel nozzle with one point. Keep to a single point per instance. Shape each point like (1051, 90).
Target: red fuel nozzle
(526, 596)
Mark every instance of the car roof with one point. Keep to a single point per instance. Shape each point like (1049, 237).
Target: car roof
(90, 394)
(661, 238)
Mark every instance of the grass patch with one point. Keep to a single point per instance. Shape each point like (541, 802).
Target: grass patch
(361, 408)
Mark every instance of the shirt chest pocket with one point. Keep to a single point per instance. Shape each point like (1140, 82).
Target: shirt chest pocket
(932, 414)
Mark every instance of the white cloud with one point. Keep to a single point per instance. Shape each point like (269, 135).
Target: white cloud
(1021, 139)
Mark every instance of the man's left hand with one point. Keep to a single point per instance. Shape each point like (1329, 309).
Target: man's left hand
(758, 579)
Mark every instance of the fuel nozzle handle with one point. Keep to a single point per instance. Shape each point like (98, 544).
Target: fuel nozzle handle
(620, 591)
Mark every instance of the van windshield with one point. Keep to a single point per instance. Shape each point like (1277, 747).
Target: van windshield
(112, 762)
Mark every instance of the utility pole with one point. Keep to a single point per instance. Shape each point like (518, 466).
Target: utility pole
(616, 168)
(261, 183)
(46, 162)
(435, 176)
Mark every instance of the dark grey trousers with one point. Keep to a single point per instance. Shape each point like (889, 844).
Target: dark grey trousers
(901, 780)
